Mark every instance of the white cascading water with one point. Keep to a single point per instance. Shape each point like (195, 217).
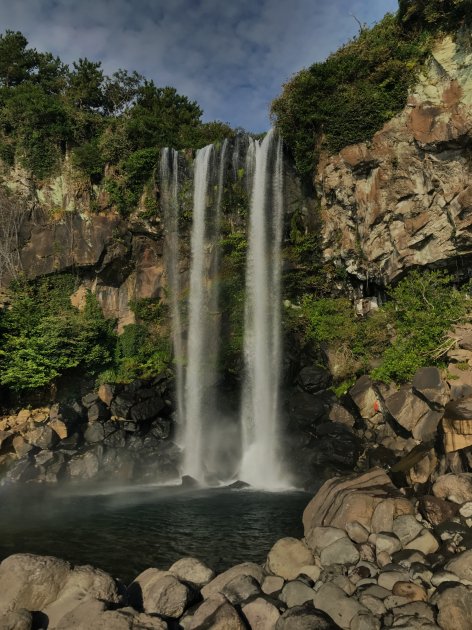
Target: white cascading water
(169, 178)
(260, 464)
(196, 364)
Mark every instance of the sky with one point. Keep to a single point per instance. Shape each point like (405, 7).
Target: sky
(231, 56)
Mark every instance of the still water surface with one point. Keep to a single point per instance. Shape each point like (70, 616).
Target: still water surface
(124, 531)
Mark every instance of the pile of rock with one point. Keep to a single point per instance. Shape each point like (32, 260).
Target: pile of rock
(119, 432)
(371, 558)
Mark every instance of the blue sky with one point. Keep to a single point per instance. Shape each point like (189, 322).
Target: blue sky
(230, 56)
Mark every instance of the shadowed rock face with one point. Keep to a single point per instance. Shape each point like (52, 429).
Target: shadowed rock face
(404, 199)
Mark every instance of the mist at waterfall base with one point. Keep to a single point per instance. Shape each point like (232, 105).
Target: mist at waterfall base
(245, 444)
(127, 530)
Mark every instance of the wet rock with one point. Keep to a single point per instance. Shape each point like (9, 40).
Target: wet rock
(94, 433)
(85, 466)
(217, 584)
(121, 405)
(455, 488)
(287, 557)
(21, 446)
(192, 570)
(455, 608)
(261, 614)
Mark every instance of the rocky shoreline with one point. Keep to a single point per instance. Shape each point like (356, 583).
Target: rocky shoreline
(373, 556)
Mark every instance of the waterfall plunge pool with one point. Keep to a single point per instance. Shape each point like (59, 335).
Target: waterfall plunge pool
(126, 530)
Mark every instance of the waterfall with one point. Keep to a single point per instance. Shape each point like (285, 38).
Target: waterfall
(196, 348)
(262, 348)
(169, 178)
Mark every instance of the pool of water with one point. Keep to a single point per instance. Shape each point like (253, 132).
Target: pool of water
(125, 530)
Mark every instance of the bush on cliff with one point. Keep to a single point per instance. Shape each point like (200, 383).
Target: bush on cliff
(42, 335)
(347, 98)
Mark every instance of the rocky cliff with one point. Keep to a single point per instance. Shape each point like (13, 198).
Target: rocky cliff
(404, 199)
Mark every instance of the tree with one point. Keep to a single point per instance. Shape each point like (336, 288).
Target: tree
(120, 91)
(16, 60)
(86, 85)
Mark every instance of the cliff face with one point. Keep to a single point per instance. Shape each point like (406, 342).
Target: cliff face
(405, 198)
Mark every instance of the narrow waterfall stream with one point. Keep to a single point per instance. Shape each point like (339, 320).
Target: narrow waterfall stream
(260, 464)
(196, 349)
(169, 178)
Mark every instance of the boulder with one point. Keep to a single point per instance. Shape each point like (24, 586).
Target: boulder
(341, 415)
(43, 437)
(296, 593)
(305, 617)
(121, 405)
(436, 510)
(455, 608)
(85, 465)
(215, 613)
(334, 602)
(220, 581)
(16, 620)
(31, 582)
(318, 538)
(455, 488)
(413, 414)
(98, 411)
(357, 532)
(106, 391)
(147, 409)
(287, 557)
(428, 384)
(261, 614)
(346, 499)
(161, 593)
(314, 379)
(365, 397)
(193, 571)
(461, 565)
(240, 589)
(342, 551)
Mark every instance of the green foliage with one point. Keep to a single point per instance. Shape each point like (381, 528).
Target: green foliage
(424, 307)
(348, 97)
(442, 14)
(47, 108)
(43, 336)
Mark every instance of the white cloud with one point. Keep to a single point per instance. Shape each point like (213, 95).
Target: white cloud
(230, 57)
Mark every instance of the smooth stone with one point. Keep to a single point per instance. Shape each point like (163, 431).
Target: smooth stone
(261, 614)
(343, 551)
(296, 593)
(334, 602)
(383, 559)
(388, 543)
(345, 583)
(240, 589)
(287, 557)
(272, 584)
(406, 528)
(320, 537)
(365, 621)
(444, 576)
(357, 532)
(304, 617)
(217, 614)
(416, 609)
(374, 604)
(166, 596)
(217, 584)
(412, 592)
(394, 601)
(455, 488)
(425, 542)
(455, 608)
(377, 591)
(388, 579)
(461, 565)
(192, 570)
